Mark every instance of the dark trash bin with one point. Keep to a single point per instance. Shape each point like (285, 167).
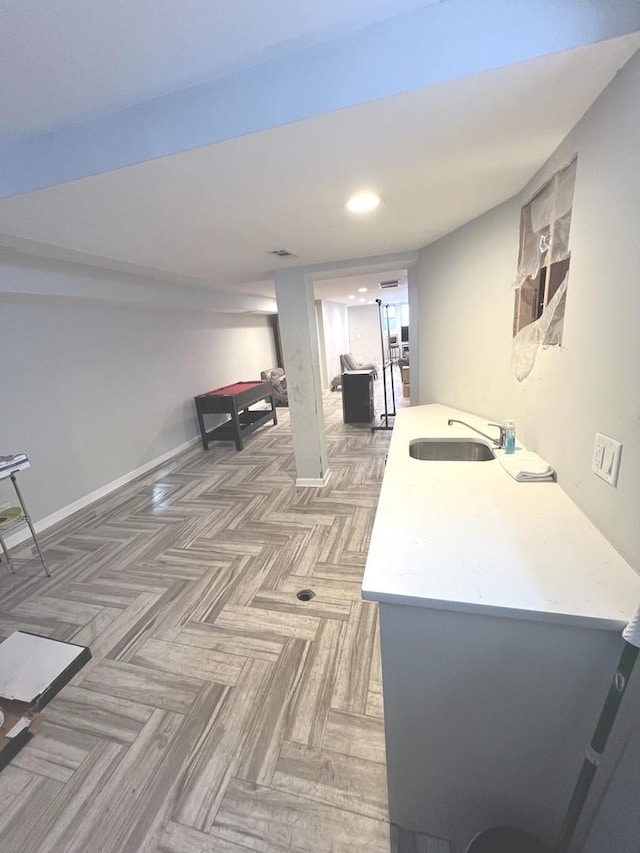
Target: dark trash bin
(505, 839)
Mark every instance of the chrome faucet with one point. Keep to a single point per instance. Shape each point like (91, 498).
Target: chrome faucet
(498, 442)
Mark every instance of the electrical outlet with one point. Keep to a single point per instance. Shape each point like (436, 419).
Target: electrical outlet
(605, 462)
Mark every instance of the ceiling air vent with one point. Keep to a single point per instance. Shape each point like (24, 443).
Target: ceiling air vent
(282, 253)
(384, 285)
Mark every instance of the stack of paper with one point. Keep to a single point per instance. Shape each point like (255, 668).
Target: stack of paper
(30, 665)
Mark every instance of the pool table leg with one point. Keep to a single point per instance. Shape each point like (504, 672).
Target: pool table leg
(235, 420)
(203, 432)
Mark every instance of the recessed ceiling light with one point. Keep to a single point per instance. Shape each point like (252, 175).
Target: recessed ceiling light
(362, 299)
(362, 290)
(363, 202)
(351, 296)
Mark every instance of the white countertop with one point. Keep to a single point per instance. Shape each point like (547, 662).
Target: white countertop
(466, 536)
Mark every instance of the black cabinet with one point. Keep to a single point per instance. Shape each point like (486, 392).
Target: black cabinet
(357, 397)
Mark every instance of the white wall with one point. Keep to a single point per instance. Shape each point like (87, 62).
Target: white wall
(333, 326)
(92, 391)
(466, 306)
(364, 333)
(590, 383)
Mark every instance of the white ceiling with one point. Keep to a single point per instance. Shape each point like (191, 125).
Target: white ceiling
(439, 156)
(65, 61)
(343, 288)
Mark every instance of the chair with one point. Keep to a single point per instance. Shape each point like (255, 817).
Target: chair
(349, 363)
(394, 348)
(278, 380)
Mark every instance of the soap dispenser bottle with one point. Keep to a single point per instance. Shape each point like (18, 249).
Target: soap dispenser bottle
(510, 436)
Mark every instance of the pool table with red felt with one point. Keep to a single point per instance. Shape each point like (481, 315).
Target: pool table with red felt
(234, 400)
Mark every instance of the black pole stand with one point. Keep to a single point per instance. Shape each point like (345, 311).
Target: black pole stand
(393, 390)
(384, 419)
(598, 743)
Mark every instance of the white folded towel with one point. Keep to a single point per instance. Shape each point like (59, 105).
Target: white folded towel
(526, 466)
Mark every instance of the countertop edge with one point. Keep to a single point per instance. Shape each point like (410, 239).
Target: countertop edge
(566, 619)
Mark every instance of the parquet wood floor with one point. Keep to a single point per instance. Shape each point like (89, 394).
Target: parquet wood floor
(219, 713)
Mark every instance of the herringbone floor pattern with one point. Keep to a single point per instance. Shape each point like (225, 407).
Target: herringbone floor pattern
(219, 714)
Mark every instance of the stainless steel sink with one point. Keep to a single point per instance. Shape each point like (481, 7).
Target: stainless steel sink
(450, 450)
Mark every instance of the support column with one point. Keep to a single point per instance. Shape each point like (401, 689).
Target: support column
(296, 311)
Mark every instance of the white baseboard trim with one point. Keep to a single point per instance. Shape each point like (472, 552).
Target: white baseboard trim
(103, 491)
(313, 482)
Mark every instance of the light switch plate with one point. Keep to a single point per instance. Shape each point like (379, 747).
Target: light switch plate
(605, 462)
